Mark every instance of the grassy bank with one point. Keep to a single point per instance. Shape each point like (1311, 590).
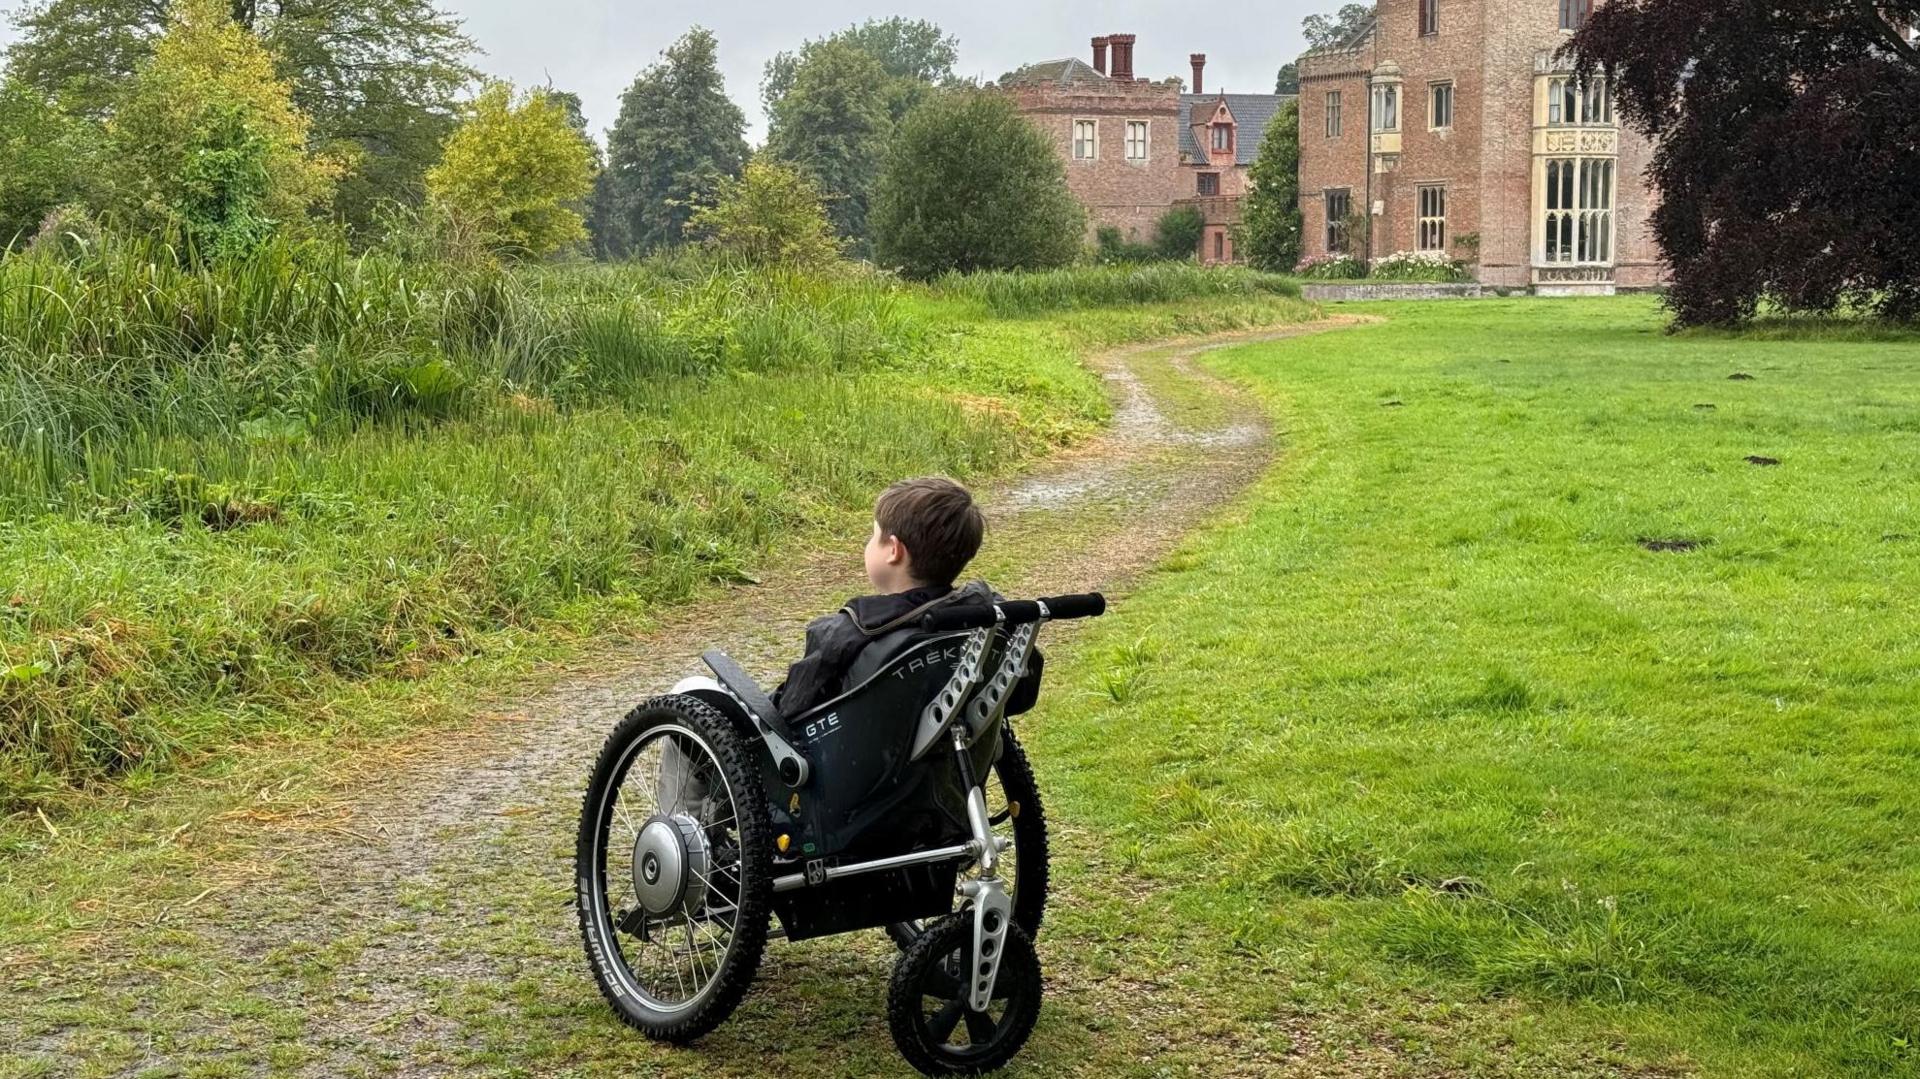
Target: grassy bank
(227, 495)
(1558, 662)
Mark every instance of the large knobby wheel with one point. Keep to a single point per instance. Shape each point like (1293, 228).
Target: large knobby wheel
(673, 868)
(933, 1022)
(1013, 809)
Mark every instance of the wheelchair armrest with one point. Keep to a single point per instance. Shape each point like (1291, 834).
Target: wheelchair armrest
(742, 685)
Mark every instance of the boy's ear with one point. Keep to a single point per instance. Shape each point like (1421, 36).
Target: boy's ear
(897, 553)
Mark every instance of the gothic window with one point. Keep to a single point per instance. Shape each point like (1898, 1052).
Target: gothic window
(1386, 107)
(1339, 208)
(1440, 105)
(1136, 140)
(1433, 217)
(1086, 139)
(1578, 225)
(1333, 114)
(1571, 101)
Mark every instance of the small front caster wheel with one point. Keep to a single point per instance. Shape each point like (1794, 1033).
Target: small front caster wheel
(927, 1004)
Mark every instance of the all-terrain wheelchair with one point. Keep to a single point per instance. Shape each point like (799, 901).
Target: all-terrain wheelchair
(903, 804)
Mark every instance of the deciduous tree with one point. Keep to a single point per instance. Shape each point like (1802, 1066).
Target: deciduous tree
(677, 136)
(916, 55)
(970, 184)
(1336, 28)
(1787, 146)
(1271, 219)
(47, 156)
(515, 171)
(832, 124)
(208, 138)
(379, 79)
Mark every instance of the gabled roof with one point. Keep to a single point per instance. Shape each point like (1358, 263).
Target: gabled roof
(1354, 40)
(1251, 115)
(1062, 73)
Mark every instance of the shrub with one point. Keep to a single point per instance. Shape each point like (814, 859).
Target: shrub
(208, 138)
(515, 171)
(1417, 266)
(969, 184)
(1178, 234)
(46, 156)
(1272, 219)
(1111, 286)
(1331, 268)
(1112, 248)
(772, 215)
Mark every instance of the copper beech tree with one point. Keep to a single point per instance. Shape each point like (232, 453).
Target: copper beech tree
(1787, 142)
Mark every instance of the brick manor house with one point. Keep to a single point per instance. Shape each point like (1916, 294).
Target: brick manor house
(1135, 148)
(1453, 127)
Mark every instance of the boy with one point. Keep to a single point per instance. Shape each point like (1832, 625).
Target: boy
(925, 531)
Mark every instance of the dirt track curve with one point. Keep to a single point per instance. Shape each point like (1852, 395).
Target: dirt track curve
(430, 934)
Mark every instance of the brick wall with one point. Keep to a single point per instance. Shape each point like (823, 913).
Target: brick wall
(1491, 51)
(1331, 162)
(1447, 157)
(1131, 196)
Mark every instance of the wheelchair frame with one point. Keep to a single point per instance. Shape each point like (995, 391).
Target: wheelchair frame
(892, 791)
(967, 708)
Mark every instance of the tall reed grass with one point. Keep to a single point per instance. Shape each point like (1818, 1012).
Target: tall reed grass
(110, 355)
(229, 491)
(1078, 287)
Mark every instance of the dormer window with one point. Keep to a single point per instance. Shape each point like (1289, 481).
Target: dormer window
(1223, 137)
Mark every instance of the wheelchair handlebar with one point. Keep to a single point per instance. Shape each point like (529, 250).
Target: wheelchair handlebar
(1013, 612)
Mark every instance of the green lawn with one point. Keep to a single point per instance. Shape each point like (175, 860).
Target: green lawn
(1428, 717)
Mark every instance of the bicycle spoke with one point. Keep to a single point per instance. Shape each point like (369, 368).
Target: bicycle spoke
(682, 953)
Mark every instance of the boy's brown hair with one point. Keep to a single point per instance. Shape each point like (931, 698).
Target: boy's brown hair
(937, 520)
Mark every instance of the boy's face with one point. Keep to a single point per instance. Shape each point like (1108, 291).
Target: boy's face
(886, 562)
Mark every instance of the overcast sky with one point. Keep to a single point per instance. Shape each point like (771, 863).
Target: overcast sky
(595, 47)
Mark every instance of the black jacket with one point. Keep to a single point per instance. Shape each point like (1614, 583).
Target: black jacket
(835, 641)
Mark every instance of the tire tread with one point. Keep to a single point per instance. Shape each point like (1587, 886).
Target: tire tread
(742, 772)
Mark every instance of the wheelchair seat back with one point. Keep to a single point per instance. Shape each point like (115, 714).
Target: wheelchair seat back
(865, 796)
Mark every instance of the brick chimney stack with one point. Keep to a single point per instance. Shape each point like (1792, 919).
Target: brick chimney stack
(1199, 62)
(1122, 56)
(1100, 54)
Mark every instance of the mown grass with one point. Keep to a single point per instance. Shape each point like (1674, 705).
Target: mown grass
(1430, 711)
(227, 493)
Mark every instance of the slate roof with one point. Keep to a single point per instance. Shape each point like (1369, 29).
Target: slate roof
(1353, 40)
(1251, 112)
(1063, 73)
